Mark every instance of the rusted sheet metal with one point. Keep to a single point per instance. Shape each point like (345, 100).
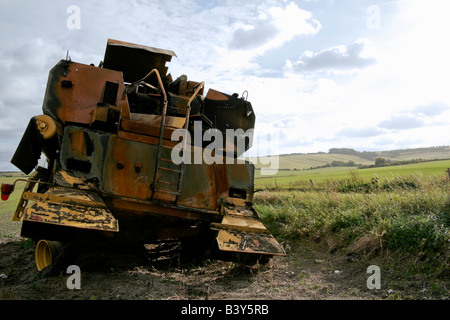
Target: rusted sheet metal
(66, 179)
(82, 151)
(134, 206)
(198, 188)
(241, 229)
(155, 120)
(244, 241)
(134, 60)
(240, 223)
(145, 139)
(123, 44)
(74, 90)
(149, 128)
(240, 175)
(128, 168)
(68, 198)
(70, 208)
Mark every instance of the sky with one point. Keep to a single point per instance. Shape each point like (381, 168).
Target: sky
(363, 74)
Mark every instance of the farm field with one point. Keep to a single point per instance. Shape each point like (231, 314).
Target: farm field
(313, 160)
(298, 177)
(307, 161)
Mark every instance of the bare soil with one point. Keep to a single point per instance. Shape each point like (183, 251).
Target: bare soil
(159, 272)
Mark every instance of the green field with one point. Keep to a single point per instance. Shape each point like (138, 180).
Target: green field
(314, 160)
(307, 161)
(292, 178)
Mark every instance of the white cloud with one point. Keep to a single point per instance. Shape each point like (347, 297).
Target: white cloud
(402, 122)
(343, 57)
(254, 31)
(359, 132)
(435, 108)
(273, 28)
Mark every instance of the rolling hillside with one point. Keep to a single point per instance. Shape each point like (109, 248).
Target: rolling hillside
(314, 160)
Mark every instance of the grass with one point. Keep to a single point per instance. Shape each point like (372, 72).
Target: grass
(364, 215)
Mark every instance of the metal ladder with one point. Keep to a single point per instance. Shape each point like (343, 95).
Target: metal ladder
(158, 177)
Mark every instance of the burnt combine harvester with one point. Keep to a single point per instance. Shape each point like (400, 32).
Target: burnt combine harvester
(107, 133)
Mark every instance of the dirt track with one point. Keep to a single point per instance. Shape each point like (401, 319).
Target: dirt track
(157, 273)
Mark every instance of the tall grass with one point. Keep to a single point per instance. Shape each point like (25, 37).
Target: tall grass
(353, 182)
(372, 217)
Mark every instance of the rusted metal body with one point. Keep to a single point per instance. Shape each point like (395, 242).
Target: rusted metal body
(107, 134)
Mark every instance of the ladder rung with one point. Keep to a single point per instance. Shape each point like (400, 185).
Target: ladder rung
(167, 182)
(166, 160)
(171, 170)
(167, 191)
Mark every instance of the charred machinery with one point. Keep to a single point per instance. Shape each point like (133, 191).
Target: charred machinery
(120, 144)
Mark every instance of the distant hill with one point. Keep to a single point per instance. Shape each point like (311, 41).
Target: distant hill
(301, 161)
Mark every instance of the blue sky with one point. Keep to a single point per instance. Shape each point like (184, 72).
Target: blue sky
(363, 74)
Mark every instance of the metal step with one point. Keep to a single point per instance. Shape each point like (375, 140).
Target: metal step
(166, 182)
(167, 191)
(171, 170)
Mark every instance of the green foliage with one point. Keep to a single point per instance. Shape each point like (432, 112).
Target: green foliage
(408, 214)
(417, 233)
(380, 162)
(29, 243)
